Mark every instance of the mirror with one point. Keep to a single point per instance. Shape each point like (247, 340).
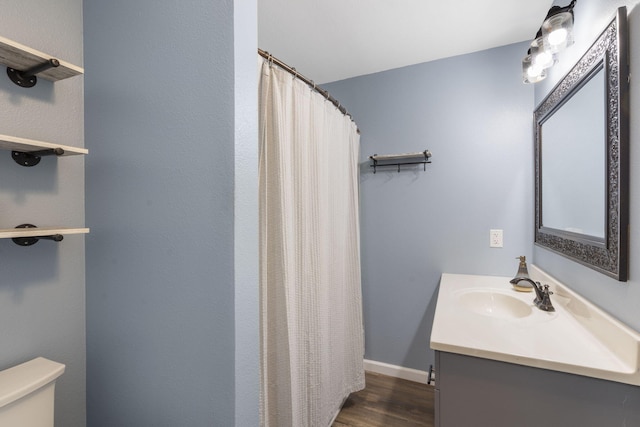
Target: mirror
(581, 158)
(568, 201)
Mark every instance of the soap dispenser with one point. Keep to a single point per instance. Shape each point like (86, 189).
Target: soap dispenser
(523, 273)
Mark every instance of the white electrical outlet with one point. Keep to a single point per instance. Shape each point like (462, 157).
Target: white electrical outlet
(495, 238)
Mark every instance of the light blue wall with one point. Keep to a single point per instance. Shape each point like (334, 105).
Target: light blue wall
(42, 287)
(474, 114)
(621, 299)
(169, 307)
(247, 340)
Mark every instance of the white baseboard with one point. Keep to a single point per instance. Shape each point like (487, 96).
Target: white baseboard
(396, 371)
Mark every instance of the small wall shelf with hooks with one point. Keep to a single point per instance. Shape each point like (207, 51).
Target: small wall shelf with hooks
(24, 63)
(27, 152)
(28, 234)
(419, 158)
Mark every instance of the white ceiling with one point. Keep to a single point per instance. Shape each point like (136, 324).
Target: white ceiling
(328, 40)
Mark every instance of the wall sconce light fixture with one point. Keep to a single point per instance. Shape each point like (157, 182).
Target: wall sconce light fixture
(555, 35)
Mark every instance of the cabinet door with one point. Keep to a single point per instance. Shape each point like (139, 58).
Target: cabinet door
(475, 392)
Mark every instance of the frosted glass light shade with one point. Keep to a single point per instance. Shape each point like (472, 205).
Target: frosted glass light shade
(532, 73)
(540, 56)
(557, 32)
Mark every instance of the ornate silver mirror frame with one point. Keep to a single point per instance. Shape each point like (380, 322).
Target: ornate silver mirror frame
(608, 255)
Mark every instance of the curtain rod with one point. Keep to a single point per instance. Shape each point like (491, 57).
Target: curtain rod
(306, 80)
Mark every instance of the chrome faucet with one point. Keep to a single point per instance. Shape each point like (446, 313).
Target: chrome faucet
(542, 301)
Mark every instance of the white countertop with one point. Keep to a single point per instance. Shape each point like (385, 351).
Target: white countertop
(577, 338)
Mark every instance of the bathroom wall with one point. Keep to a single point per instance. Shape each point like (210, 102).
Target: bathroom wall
(474, 114)
(42, 287)
(621, 299)
(171, 123)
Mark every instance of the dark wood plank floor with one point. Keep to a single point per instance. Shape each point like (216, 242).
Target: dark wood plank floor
(388, 402)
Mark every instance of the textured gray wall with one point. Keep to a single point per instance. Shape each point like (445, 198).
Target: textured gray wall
(621, 299)
(474, 114)
(161, 291)
(42, 287)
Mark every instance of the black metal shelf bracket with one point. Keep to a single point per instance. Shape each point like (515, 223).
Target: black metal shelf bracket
(397, 160)
(27, 78)
(32, 158)
(28, 241)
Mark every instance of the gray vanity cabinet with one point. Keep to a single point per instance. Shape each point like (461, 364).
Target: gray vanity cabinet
(476, 392)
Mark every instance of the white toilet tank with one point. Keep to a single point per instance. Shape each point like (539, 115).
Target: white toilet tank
(26, 393)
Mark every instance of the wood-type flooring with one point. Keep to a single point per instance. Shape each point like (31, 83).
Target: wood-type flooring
(388, 402)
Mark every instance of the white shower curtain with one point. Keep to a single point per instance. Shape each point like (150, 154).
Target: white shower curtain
(312, 340)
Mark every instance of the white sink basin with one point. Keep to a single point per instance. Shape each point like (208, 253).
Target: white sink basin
(490, 302)
(483, 316)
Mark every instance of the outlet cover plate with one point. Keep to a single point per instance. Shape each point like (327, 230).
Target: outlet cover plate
(495, 238)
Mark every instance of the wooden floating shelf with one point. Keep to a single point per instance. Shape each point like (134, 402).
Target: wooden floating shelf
(12, 233)
(21, 57)
(14, 143)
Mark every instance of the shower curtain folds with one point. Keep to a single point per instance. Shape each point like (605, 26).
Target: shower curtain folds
(312, 339)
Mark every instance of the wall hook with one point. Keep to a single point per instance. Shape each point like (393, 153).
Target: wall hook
(375, 162)
(28, 77)
(32, 158)
(28, 241)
